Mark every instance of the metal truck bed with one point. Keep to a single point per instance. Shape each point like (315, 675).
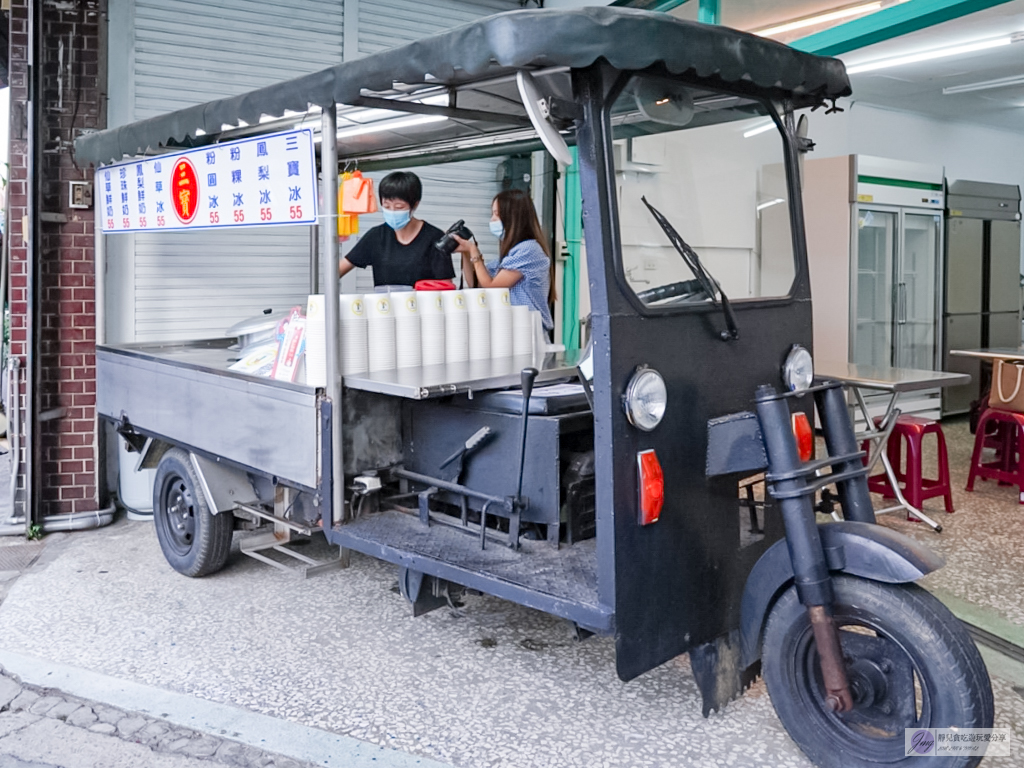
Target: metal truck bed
(183, 392)
(562, 582)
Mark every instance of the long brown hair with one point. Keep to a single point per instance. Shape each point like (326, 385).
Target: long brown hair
(519, 220)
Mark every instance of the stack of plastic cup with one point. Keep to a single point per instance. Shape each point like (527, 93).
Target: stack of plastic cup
(522, 331)
(316, 341)
(407, 329)
(354, 344)
(500, 306)
(456, 327)
(479, 324)
(431, 309)
(540, 336)
(381, 331)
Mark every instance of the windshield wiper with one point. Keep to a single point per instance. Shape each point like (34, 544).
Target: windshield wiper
(708, 284)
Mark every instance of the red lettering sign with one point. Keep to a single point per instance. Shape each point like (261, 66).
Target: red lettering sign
(184, 190)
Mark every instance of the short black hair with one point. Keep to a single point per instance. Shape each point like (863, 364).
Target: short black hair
(401, 185)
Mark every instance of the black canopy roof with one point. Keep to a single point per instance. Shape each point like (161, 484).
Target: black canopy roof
(497, 45)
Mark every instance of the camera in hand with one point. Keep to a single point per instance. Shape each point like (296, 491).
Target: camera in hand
(448, 244)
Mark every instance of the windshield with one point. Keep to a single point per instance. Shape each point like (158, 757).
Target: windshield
(712, 165)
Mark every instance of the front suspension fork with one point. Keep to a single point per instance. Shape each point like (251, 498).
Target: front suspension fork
(788, 480)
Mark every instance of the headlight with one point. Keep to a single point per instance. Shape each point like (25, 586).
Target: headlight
(645, 399)
(798, 370)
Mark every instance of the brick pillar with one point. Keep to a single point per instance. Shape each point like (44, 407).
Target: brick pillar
(66, 306)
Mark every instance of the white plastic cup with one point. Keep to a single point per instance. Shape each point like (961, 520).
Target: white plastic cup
(432, 335)
(500, 306)
(456, 327)
(381, 332)
(522, 331)
(353, 306)
(479, 335)
(408, 352)
(476, 299)
(354, 341)
(316, 341)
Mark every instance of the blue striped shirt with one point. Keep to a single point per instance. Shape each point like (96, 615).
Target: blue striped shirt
(528, 258)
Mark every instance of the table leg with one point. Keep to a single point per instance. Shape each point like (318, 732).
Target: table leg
(879, 437)
(903, 503)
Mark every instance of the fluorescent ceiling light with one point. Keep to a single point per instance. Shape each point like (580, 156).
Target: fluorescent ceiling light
(984, 85)
(760, 129)
(937, 53)
(769, 204)
(821, 18)
(390, 125)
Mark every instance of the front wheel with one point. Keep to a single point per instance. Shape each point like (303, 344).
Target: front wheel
(910, 665)
(194, 540)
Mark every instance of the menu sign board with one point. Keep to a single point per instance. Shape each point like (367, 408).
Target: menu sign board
(265, 180)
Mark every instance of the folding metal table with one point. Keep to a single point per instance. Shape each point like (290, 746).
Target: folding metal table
(894, 382)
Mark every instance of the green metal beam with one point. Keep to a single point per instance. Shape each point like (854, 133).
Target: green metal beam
(649, 5)
(709, 12)
(888, 23)
(573, 223)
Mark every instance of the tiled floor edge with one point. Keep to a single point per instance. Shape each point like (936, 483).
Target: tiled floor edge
(292, 740)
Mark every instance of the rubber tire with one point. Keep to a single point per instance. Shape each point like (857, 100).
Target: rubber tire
(945, 657)
(210, 544)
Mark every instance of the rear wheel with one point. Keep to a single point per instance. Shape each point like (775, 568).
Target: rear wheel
(195, 541)
(910, 665)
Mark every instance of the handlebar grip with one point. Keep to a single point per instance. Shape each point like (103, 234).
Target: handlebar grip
(529, 376)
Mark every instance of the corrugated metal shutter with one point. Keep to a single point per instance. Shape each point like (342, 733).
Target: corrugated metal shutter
(387, 23)
(450, 192)
(457, 190)
(186, 52)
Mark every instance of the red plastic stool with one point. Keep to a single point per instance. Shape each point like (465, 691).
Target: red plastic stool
(911, 430)
(1007, 469)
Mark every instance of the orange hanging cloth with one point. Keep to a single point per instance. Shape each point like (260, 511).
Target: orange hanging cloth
(357, 195)
(348, 223)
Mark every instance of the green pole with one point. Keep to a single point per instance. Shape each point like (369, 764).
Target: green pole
(709, 12)
(573, 240)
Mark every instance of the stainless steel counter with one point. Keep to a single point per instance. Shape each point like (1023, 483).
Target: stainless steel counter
(423, 382)
(417, 383)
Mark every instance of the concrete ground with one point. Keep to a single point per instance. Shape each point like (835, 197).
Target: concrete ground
(490, 684)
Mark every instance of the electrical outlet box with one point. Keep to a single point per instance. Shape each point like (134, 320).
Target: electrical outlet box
(80, 194)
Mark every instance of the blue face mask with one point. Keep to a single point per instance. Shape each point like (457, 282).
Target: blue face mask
(397, 219)
(497, 229)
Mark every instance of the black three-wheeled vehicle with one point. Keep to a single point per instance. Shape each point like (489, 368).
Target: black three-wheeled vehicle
(670, 503)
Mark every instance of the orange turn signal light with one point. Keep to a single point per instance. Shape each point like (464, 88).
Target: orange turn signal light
(804, 436)
(652, 486)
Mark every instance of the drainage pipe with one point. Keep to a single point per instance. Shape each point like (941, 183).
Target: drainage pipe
(76, 521)
(33, 189)
(14, 425)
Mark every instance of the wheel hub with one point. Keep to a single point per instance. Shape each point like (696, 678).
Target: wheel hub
(868, 684)
(180, 519)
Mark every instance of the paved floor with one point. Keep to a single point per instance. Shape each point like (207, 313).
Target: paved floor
(492, 684)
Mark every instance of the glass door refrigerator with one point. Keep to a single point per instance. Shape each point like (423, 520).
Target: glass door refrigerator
(895, 301)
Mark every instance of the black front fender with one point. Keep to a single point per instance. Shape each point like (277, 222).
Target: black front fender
(860, 549)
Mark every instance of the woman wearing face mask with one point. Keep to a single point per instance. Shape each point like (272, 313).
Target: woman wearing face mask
(524, 265)
(401, 250)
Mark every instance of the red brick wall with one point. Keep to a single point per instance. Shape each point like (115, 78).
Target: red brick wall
(66, 382)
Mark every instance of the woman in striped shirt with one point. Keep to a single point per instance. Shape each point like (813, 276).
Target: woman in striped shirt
(524, 265)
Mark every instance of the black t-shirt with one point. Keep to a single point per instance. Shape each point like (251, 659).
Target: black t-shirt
(397, 264)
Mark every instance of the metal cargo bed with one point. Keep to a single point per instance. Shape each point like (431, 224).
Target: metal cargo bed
(185, 394)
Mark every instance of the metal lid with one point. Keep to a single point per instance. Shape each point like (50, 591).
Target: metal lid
(265, 322)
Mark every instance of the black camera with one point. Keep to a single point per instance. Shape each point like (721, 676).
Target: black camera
(448, 244)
